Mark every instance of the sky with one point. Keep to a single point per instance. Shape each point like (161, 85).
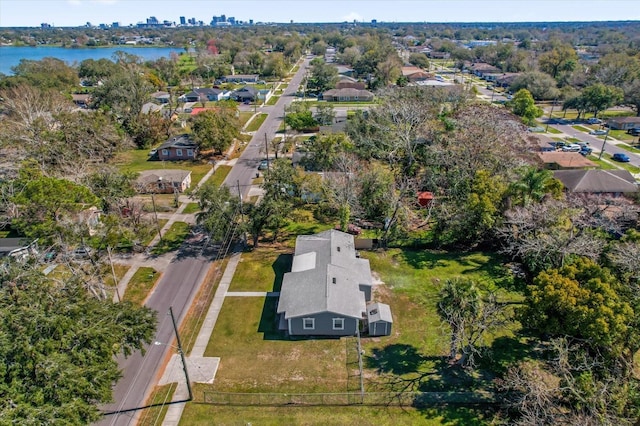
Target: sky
(64, 13)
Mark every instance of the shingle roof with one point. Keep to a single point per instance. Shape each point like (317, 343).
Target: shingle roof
(379, 312)
(566, 159)
(597, 181)
(182, 141)
(166, 175)
(325, 277)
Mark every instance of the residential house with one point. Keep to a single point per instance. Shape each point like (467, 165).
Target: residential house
(612, 182)
(407, 71)
(164, 181)
(623, 123)
(565, 160)
(327, 290)
(481, 69)
(419, 76)
(18, 248)
(150, 107)
(178, 148)
(542, 143)
(204, 94)
(347, 94)
(81, 99)
(161, 97)
(346, 71)
(350, 83)
(245, 94)
(438, 55)
(241, 78)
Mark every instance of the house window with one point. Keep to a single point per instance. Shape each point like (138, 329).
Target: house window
(333, 280)
(179, 152)
(189, 153)
(308, 323)
(165, 152)
(338, 323)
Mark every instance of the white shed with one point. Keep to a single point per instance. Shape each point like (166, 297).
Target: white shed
(379, 319)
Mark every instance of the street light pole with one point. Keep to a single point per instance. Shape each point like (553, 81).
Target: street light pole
(181, 352)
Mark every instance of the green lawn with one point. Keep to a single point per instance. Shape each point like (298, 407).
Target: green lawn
(255, 124)
(629, 148)
(245, 116)
(191, 208)
(140, 285)
(602, 164)
(206, 415)
(253, 352)
(622, 135)
(273, 100)
(581, 128)
(159, 397)
(553, 130)
(220, 174)
(172, 239)
(627, 166)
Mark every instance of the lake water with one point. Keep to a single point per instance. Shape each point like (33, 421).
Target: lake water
(10, 56)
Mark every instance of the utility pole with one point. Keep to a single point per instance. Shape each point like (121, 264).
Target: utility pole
(113, 272)
(603, 144)
(155, 212)
(181, 352)
(550, 115)
(266, 148)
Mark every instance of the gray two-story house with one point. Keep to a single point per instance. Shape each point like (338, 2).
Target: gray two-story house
(327, 290)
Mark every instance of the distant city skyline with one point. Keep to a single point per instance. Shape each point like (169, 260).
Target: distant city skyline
(76, 13)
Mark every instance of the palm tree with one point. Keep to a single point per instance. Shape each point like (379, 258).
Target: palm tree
(534, 184)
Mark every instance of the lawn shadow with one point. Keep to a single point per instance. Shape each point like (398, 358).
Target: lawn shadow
(506, 351)
(396, 359)
(281, 266)
(268, 325)
(420, 259)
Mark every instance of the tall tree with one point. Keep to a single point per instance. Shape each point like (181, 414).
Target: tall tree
(59, 346)
(580, 300)
(323, 76)
(599, 97)
(215, 129)
(524, 106)
(470, 316)
(561, 58)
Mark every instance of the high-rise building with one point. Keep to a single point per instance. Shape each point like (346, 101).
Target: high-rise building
(183, 21)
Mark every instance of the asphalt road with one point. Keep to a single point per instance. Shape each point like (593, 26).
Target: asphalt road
(596, 143)
(176, 288)
(181, 279)
(246, 166)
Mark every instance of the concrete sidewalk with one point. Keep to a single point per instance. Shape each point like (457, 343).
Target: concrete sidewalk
(204, 367)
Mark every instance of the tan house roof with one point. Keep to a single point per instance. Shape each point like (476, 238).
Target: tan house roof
(597, 181)
(407, 71)
(566, 160)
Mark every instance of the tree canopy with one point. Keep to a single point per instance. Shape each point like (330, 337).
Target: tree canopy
(59, 345)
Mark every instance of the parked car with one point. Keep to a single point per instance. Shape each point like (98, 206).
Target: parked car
(623, 158)
(586, 151)
(264, 165)
(598, 132)
(634, 132)
(594, 121)
(82, 253)
(574, 147)
(582, 144)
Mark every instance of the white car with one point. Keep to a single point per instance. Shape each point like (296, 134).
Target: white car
(598, 132)
(574, 147)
